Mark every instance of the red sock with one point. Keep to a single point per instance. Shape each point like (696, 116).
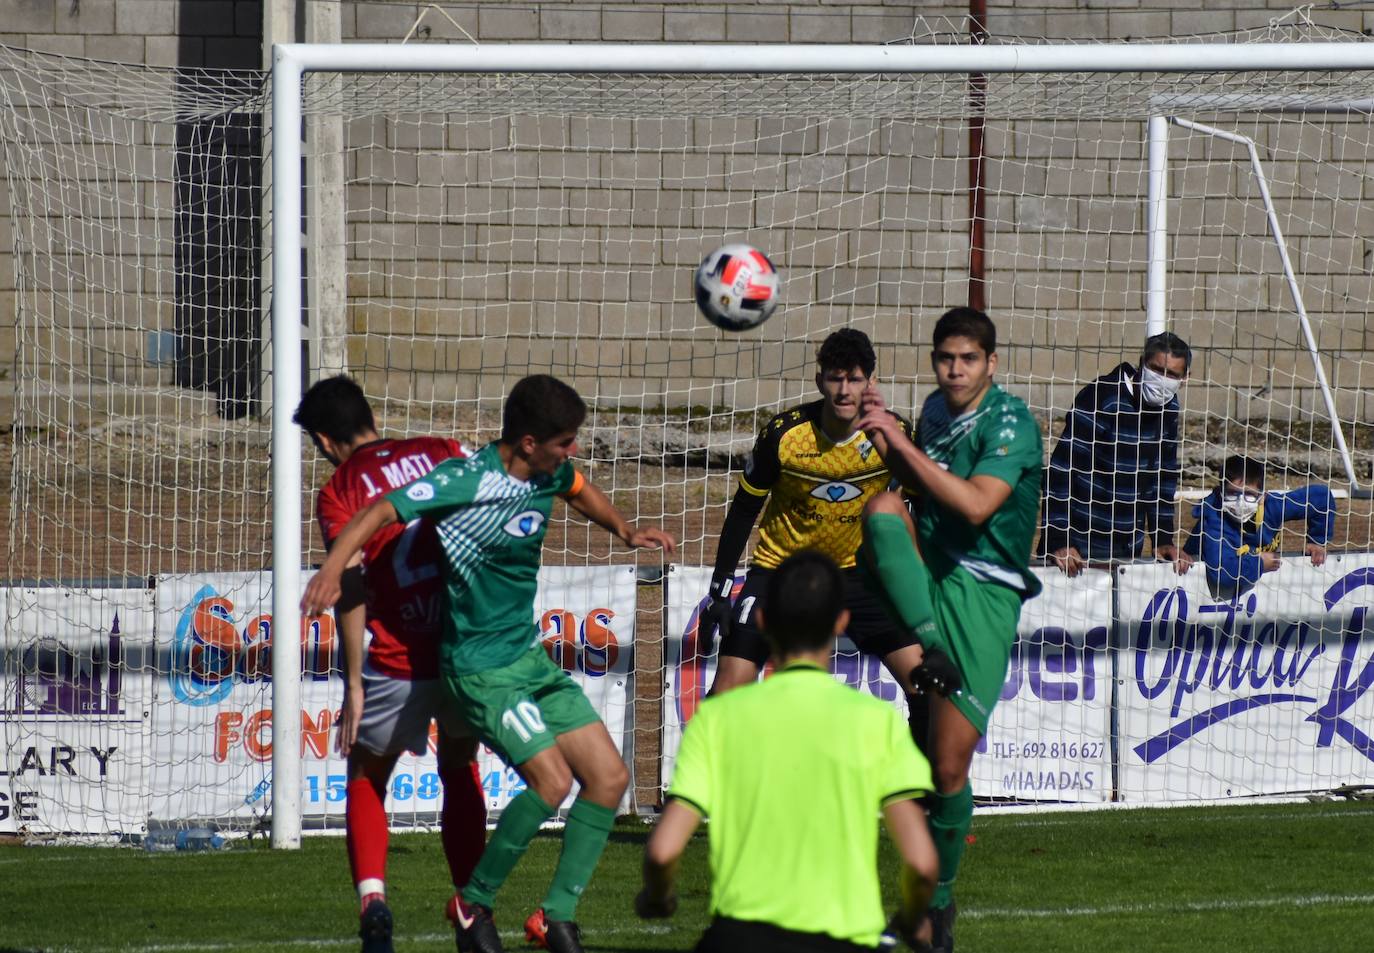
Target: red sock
(463, 823)
(365, 822)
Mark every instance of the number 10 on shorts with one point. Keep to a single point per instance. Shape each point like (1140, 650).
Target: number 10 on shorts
(524, 719)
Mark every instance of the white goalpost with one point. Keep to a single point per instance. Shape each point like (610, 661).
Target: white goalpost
(502, 210)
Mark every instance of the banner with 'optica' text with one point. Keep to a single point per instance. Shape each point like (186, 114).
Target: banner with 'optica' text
(1265, 693)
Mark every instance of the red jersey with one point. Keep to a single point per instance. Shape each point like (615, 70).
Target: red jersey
(401, 564)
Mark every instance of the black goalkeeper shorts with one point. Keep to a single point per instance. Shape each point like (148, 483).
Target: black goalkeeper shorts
(871, 628)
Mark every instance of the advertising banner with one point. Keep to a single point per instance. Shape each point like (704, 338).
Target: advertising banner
(75, 700)
(1049, 734)
(212, 720)
(1266, 693)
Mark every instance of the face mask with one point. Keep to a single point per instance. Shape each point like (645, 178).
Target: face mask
(1156, 389)
(1240, 505)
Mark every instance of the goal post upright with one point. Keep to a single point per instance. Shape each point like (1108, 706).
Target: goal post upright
(286, 458)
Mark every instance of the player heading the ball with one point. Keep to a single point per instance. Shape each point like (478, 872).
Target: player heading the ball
(491, 512)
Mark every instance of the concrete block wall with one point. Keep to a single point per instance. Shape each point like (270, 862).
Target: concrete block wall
(433, 253)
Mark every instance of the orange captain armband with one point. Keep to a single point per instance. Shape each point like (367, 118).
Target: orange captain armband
(578, 483)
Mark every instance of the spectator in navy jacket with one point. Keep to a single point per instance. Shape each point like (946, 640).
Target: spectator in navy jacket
(1238, 526)
(1114, 471)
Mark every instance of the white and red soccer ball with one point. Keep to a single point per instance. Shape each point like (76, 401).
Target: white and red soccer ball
(737, 287)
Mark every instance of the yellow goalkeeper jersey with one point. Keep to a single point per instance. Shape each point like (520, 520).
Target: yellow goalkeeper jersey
(816, 487)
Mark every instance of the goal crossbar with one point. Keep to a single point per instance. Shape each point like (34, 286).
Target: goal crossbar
(845, 58)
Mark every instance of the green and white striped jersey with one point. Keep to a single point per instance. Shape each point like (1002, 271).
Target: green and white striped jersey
(491, 527)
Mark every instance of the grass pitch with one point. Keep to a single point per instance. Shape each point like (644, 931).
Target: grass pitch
(1269, 877)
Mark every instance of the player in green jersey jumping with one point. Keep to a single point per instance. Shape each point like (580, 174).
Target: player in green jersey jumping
(977, 460)
(491, 511)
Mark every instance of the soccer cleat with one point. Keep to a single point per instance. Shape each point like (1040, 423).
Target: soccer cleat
(942, 928)
(374, 928)
(937, 673)
(474, 928)
(556, 936)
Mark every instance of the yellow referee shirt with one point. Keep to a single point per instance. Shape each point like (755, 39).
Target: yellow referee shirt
(793, 773)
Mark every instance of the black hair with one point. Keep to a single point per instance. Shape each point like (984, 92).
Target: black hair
(1243, 470)
(967, 323)
(1167, 342)
(541, 406)
(337, 408)
(805, 596)
(846, 349)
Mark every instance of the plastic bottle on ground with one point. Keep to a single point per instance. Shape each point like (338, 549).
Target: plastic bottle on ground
(193, 839)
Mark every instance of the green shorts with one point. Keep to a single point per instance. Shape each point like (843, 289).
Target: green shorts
(975, 624)
(520, 709)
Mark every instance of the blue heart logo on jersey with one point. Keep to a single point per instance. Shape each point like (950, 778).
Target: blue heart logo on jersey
(524, 525)
(837, 492)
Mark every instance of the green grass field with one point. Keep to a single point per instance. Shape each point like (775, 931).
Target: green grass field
(1270, 877)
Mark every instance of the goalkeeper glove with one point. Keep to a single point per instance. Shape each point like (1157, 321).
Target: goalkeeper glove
(717, 616)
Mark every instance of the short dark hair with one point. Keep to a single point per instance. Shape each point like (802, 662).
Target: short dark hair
(541, 406)
(966, 323)
(846, 349)
(337, 408)
(1243, 470)
(1167, 342)
(805, 596)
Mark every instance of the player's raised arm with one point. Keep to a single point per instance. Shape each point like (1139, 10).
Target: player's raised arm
(588, 500)
(975, 499)
(887, 431)
(324, 588)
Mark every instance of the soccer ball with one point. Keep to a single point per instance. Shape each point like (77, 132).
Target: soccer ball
(737, 287)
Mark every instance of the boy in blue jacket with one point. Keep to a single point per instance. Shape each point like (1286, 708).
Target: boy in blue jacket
(1239, 525)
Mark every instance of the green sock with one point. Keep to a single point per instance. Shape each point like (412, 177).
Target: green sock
(951, 816)
(584, 838)
(895, 570)
(520, 821)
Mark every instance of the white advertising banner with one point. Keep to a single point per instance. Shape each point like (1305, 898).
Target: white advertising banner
(1049, 734)
(213, 720)
(75, 700)
(1049, 738)
(1267, 693)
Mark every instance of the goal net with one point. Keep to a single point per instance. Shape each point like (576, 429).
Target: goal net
(463, 230)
